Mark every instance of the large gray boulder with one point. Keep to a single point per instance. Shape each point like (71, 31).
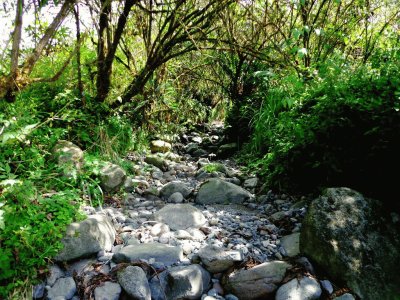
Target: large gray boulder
(217, 259)
(112, 177)
(182, 282)
(68, 156)
(87, 237)
(165, 254)
(174, 187)
(180, 216)
(354, 241)
(305, 288)
(134, 282)
(256, 283)
(217, 191)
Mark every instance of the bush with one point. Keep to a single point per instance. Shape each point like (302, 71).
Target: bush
(343, 130)
(31, 227)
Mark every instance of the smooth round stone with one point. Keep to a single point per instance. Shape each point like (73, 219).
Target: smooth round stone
(176, 197)
(213, 221)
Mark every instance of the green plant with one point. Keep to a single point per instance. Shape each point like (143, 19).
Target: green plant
(343, 129)
(214, 167)
(32, 227)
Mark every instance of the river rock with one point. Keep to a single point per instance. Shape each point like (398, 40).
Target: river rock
(134, 282)
(250, 183)
(217, 259)
(291, 244)
(304, 289)
(182, 282)
(68, 156)
(160, 146)
(107, 291)
(55, 272)
(112, 177)
(227, 150)
(175, 198)
(87, 237)
(354, 241)
(174, 187)
(258, 282)
(180, 216)
(159, 252)
(157, 162)
(159, 229)
(64, 287)
(217, 191)
(346, 296)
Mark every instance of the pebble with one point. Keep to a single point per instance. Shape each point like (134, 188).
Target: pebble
(248, 229)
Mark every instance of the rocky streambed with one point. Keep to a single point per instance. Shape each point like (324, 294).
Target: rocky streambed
(191, 228)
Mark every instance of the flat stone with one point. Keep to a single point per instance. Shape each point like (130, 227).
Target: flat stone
(217, 191)
(173, 187)
(227, 150)
(87, 237)
(159, 252)
(107, 291)
(134, 282)
(258, 282)
(217, 259)
(160, 146)
(291, 244)
(304, 289)
(180, 216)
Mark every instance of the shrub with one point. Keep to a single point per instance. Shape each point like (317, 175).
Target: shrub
(31, 227)
(341, 130)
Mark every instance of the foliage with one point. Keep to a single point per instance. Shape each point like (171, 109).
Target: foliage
(31, 227)
(214, 167)
(341, 129)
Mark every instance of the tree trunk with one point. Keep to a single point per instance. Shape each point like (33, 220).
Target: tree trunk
(137, 85)
(78, 54)
(16, 39)
(18, 78)
(50, 31)
(106, 57)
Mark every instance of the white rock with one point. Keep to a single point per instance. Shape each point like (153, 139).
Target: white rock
(180, 216)
(159, 229)
(304, 289)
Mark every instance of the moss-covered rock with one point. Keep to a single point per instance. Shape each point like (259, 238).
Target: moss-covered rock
(355, 242)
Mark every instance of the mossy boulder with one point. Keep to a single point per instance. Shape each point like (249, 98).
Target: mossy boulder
(355, 242)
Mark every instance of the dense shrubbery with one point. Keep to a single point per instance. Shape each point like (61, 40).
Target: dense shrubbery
(341, 129)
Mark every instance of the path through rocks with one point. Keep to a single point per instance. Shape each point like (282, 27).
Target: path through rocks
(188, 228)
